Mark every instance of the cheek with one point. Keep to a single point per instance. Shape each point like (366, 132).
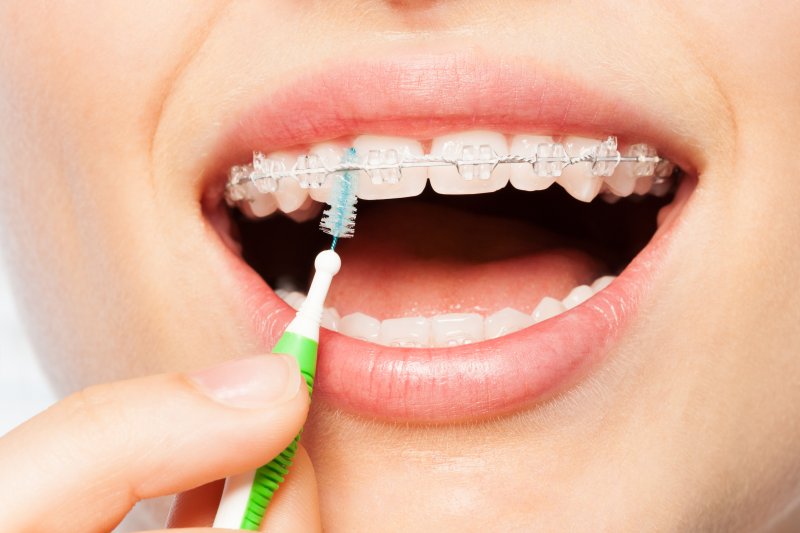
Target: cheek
(751, 50)
(81, 94)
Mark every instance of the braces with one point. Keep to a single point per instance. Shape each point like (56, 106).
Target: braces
(476, 162)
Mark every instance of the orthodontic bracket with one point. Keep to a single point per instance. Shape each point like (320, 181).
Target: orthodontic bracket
(474, 162)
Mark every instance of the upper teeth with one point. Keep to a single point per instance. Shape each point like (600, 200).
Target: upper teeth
(461, 163)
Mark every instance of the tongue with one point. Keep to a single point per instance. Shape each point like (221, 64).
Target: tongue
(419, 259)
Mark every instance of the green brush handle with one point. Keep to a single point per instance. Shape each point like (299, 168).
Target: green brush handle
(269, 477)
(245, 497)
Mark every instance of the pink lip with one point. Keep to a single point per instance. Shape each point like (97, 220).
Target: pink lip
(422, 96)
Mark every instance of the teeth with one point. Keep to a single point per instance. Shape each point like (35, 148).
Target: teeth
(476, 172)
(643, 185)
(286, 195)
(361, 326)
(602, 283)
(522, 175)
(391, 183)
(289, 194)
(661, 188)
(327, 154)
(330, 319)
(237, 176)
(414, 332)
(460, 163)
(550, 160)
(506, 321)
(577, 296)
(608, 156)
(622, 182)
(627, 179)
(547, 308)
(447, 329)
(310, 209)
(456, 329)
(295, 299)
(644, 168)
(579, 179)
(261, 205)
(254, 204)
(310, 174)
(262, 169)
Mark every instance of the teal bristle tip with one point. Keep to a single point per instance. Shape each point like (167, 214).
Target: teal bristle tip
(339, 219)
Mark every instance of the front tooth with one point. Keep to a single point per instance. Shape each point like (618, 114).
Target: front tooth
(360, 326)
(577, 296)
(389, 183)
(412, 332)
(329, 154)
(506, 321)
(578, 179)
(602, 283)
(289, 194)
(330, 319)
(456, 329)
(469, 178)
(523, 176)
(548, 308)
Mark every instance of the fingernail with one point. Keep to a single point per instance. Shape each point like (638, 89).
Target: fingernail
(251, 383)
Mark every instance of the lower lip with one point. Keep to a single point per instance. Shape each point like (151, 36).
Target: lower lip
(486, 379)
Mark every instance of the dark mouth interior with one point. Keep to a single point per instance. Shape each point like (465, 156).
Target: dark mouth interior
(612, 233)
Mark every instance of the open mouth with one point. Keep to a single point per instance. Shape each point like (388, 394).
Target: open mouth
(439, 265)
(471, 288)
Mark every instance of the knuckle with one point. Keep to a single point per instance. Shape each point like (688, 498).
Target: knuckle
(93, 405)
(99, 414)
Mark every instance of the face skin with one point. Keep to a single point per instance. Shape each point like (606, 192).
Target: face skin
(108, 111)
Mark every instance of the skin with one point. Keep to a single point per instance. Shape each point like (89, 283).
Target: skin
(691, 426)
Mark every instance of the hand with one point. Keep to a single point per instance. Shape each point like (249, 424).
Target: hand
(83, 464)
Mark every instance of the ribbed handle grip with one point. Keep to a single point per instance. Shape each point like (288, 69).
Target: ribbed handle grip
(270, 476)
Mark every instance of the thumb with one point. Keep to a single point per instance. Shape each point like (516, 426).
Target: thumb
(91, 457)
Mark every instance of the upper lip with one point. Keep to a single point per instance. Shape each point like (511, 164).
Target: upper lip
(422, 96)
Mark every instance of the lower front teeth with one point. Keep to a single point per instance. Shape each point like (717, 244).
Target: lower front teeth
(457, 329)
(445, 330)
(413, 332)
(361, 326)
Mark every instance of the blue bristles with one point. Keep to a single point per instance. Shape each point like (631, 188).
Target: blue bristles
(339, 220)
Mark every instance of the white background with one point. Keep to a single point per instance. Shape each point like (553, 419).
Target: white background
(24, 391)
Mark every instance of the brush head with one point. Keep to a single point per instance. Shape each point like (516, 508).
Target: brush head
(339, 220)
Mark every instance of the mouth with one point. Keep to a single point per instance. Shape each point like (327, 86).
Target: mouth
(499, 255)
